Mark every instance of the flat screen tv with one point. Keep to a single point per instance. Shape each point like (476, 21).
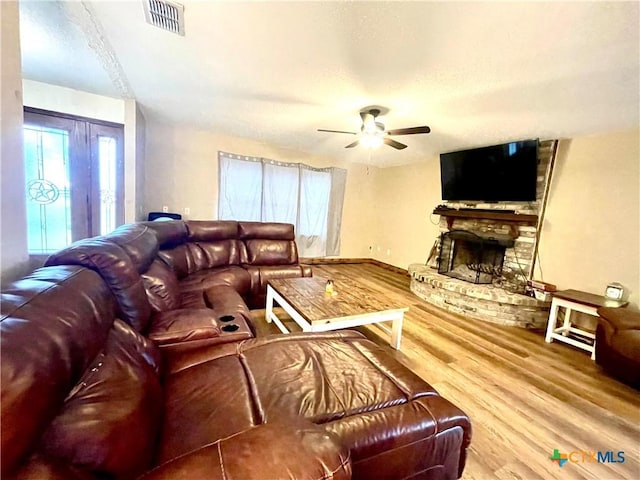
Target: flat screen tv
(505, 173)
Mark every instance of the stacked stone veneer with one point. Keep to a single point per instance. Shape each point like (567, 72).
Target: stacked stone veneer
(491, 302)
(482, 302)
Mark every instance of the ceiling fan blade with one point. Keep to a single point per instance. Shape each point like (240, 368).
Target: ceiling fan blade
(409, 131)
(336, 131)
(354, 144)
(393, 143)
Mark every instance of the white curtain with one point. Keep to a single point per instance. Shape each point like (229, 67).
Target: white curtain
(259, 189)
(243, 203)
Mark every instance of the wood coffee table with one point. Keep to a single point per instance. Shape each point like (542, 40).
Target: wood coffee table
(314, 310)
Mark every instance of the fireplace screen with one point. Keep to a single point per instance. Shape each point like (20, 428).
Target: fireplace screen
(470, 257)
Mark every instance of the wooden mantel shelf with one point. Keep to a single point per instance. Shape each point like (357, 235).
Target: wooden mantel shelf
(507, 217)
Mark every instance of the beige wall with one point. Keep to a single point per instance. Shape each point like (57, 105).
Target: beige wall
(141, 130)
(13, 226)
(182, 172)
(591, 232)
(405, 199)
(134, 140)
(73, 102)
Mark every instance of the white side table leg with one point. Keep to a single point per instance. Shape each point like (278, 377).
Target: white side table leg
(567, 321)
(553, 318)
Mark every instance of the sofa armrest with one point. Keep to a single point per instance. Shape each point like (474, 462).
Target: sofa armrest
(184, 326)
(292, 450)
(620, 318)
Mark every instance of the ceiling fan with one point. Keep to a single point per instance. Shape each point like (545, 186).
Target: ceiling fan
(373, 133)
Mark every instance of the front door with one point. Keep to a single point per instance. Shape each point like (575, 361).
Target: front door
(74, 172)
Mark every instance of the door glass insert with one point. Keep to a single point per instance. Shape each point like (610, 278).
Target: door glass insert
(107, 161)
(48, 189)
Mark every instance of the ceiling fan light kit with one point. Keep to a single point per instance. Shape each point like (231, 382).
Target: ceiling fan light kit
(371, 140)
(373, 133)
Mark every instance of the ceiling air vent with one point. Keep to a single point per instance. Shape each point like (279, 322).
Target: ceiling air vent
(166, 15)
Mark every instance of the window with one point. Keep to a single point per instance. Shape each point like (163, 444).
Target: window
(74, 173)
(257, 189)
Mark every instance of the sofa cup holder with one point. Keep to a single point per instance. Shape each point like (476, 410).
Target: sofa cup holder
(232, 327)
(227, 318)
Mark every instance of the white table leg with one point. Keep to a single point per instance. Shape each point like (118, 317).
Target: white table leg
(567, 321)
(396, 332)
(553, 318)
(269, 306)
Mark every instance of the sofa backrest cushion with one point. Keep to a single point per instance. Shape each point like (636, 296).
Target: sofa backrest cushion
(178, 258)
(110, 419)
(268, 243)
(50, 334)
(161, 285)
(215, 243)
(192, 257)
(271, 252)
(118, 271)
(266, 231)
(203, 255)
(210, 231)
(139, 241)
(169, 233)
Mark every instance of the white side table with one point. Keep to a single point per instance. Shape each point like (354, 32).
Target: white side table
(580, 302)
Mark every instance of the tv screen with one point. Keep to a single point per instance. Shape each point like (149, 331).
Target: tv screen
(505, 172)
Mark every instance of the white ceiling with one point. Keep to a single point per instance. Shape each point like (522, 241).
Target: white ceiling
(477, 73)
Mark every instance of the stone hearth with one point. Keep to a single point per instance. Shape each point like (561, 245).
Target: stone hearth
(482, 302)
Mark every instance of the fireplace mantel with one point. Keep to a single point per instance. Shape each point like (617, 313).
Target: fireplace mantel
(512, 219)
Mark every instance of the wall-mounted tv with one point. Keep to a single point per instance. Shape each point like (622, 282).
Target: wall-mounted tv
(505, 172)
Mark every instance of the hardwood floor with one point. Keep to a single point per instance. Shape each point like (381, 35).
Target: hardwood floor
(525, 397)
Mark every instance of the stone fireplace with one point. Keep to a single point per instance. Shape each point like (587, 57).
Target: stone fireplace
(484, 256)
(473, 258)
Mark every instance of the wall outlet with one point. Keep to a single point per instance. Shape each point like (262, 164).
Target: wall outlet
(388, 252)
(165, 209)
(187, 210)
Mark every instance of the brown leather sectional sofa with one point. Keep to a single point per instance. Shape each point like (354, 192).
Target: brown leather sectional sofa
(618, 343)
(116, 363)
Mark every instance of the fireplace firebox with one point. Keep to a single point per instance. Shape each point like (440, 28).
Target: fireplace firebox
(472, 257)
